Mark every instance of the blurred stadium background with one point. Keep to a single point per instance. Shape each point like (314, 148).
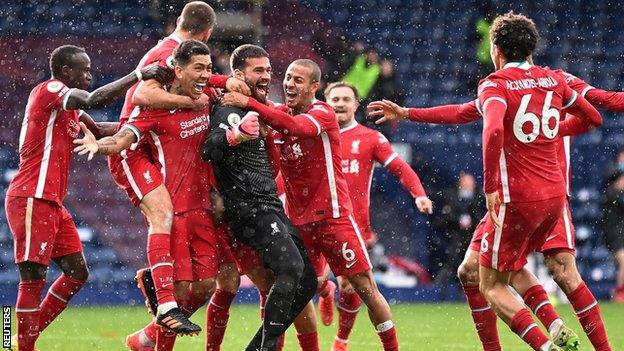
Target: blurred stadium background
(432, 46)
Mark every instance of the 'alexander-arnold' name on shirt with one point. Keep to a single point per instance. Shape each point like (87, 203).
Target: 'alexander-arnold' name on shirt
(530, 83)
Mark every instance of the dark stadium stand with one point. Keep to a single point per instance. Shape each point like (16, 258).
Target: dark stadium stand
(433, 47)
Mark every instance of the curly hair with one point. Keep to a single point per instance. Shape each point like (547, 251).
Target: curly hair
(515, 35)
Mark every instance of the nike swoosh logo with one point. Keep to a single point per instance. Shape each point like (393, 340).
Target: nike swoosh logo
(350, 264)
(551, 237)
(166, 285)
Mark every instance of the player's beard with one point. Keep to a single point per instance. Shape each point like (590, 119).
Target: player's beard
(254, 91)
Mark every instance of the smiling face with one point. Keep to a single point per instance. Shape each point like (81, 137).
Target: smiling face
(342, 100)
(299, 87)
(257, 75)
(194, 77)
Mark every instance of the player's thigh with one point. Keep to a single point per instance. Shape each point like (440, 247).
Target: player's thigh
(135, 174)
(561, 237)
(158, 209)
(343, 247)
(34, 224)
(344, 285)
(180, 247)
(203, 245)
(67, 249)
(311, 237)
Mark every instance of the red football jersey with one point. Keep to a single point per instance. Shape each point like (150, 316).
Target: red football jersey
(174, 139)
(528, 168)
(312, 169)
(45, 144)
(361, 148)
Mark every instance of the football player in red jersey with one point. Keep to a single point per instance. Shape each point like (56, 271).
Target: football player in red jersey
(41, 226)
(318, 201)
(135, 172)
(361, 148)
(558, 252)
(558, 248)
(174, 138)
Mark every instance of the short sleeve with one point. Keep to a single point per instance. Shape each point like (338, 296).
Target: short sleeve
(322, 116)
(489, 90)
(53, 95)
(577, 84)
(383, 152)
(142, 123)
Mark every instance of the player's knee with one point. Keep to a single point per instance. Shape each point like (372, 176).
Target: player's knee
(228, 280)
(80, 272)
(294, 268)
(467, 274)
(564, 274)
(203, 289)
(345, 286)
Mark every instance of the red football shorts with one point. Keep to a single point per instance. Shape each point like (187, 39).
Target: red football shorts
(41, 230)
(337, 240)
(524, 229)
(561, 238)
(245, 257)
(195, 246)
(135, 173)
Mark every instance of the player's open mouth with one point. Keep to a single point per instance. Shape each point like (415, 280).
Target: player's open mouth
(199, 87)
(262, 88)
(291, 94)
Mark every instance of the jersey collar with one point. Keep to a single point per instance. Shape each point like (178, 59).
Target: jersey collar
(175, 37)
(349, 126)
(522, 65)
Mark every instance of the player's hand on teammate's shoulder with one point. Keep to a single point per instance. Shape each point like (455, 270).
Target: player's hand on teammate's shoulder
(387, 110)
(237, 85)
(88, 143)
(235, 99)
(492, 200)
(155, 71)
(424, 204)
(213, 93)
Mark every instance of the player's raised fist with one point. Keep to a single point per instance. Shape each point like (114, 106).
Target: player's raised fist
(234, 99)
(237, 85)
(86, 145)
(387, 110)
(249, 126)
(155, 71)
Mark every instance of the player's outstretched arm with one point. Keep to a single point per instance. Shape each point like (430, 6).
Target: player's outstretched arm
(609, 100)
(105, 146)
(99, 129)
(444, 114)
(581, 108)
(105, 95)
(299, 125)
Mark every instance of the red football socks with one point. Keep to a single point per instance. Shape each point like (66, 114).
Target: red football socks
(348, 307)
(159, 258)
(537, 300)
(27, 313)
(308, 342)
(523, 324)
(484, 318)
(217, 315)
(588, 313)
(388, 336)
(59, 294)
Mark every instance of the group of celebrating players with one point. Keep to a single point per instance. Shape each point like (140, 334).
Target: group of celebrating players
(205, 168)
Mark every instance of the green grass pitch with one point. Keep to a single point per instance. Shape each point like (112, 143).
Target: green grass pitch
(421, 327)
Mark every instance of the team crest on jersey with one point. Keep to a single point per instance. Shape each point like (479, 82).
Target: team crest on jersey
(296, 150)
(233, 119)
(148, 177)
(274, 228)
(355, 146)
(55, 86)
(43, 247)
